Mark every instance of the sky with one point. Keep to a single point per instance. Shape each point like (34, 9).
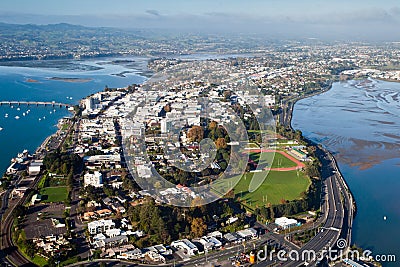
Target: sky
(332, 18)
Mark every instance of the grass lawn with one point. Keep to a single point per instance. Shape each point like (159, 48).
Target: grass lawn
(253, 145)
(278, 185)
(69, 261)
(54, 194)
(65, 126)
(280, 161)
(40, 261)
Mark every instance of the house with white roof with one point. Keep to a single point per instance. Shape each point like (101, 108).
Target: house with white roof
(100, 226)
(94, 179)
(285, 223)
(186, 245)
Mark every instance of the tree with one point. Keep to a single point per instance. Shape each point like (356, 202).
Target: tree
(227, 95)
(213, 125)
(230, 194)
(196, 133)
(19, 210)
(221, 143)
(30, 248)
(167, 108)
(198, 227)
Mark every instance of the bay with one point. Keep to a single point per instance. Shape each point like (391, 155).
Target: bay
(33, 83)
(359, 121)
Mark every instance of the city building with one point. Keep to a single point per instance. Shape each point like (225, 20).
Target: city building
(100, 226)
(186, 245)
(286, 223)
(94, 179)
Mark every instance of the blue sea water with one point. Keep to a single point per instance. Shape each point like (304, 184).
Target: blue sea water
(360, 122)
(28, 132)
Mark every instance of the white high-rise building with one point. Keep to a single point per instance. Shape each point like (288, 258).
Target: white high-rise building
(95, 179)
(92, 103)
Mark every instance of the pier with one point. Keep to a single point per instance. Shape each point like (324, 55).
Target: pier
(35, 103)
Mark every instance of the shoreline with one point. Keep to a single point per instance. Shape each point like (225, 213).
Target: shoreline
(329, 154)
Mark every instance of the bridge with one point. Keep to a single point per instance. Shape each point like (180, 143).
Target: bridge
(35, 103)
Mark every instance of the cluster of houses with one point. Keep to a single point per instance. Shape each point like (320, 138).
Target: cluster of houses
(51, 245)
(163, 111)
(114, 242)
(24, 162)
(393, 75)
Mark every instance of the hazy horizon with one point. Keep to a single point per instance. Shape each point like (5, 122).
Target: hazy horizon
(355, 20)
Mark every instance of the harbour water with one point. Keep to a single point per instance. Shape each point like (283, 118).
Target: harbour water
(359, 121)
(51, 81)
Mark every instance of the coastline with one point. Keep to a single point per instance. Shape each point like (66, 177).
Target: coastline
(387, 80)
(329, 155)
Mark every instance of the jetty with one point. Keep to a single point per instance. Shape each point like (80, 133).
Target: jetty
(35, 103)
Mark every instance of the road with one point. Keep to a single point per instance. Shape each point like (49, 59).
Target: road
(338, 209)
(10, 255)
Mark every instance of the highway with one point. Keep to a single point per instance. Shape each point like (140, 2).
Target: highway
(336, 213)
(337, 208)
(10, 256)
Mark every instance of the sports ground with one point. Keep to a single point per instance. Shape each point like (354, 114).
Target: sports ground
(282, 161)
(284, 179)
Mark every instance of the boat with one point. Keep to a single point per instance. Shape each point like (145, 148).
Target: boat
(18, 109)
(1, 129)
(16, 117)
(6, 116)
(44, 117)
(40, 119)
(23, 114)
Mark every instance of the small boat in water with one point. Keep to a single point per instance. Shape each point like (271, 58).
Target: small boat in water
(40, 119)
(6, 116)
(18, 109)
(23, 114)
(16, 117)
(1, 129)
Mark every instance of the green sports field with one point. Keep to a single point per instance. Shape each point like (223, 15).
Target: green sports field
(280, 161)
(54, 194)
(288, 185)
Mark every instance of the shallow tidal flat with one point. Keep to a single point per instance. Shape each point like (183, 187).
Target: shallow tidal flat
(359, 122)
(361, 125)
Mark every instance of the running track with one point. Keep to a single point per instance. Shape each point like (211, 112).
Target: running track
(299, 165)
